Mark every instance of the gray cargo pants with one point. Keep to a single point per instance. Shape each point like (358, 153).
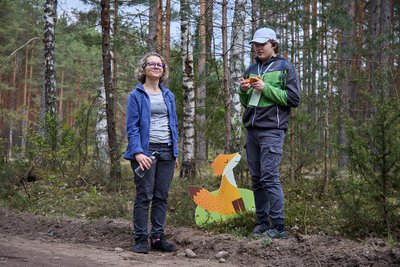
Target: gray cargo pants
(264, 154)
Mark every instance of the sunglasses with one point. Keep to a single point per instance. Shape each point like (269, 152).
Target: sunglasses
(153, 65)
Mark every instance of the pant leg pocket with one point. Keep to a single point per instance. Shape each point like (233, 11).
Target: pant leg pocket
(272, 162)
(276, 150)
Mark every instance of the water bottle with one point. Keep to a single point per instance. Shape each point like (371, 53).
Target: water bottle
(154, 157)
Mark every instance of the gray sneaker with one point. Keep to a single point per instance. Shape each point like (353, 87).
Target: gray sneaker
(259, 230)
(275, 234)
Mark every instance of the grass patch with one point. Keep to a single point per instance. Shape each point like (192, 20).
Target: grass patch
(87, 197)
(241, 225)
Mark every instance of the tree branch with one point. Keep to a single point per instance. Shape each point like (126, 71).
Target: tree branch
(16, 50)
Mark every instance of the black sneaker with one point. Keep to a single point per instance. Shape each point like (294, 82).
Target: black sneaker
(159, 243)
(275, 234)
(141, 245)
(260, 229)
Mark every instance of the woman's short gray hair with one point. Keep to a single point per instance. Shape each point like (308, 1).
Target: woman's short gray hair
(140, 73)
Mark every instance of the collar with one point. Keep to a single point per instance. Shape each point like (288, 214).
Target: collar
(269, 61)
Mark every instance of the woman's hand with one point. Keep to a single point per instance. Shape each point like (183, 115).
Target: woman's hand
(144, 161)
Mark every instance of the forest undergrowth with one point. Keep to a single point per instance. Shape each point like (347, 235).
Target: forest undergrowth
(88, 196)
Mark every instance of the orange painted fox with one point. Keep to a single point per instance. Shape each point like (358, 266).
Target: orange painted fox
(228, 200)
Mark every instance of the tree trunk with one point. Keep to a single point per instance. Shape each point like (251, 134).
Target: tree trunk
(374, 55)
(77, 95)
(24, 124)
(3, 153)
(114, 67)
(11, 105)
(31, 115)
(236, 71)
(49, 110)
(68, 113)
(167, 45)
(159, 36)
(324, 96)
(227, 93)
(346, 81)
(210, 31)
(60, 105)
(155, 26)
(201, 142)
(386, 30)
(101, 127)
(254, 18)
(188, 169)
(151, 39)
(115, 168)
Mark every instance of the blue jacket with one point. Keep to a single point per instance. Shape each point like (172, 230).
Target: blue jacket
(138, 114)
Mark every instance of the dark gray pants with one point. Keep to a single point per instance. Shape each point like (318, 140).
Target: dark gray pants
(153, 188)
(264, 154)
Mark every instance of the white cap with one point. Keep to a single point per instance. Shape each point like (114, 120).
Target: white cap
(263, 35)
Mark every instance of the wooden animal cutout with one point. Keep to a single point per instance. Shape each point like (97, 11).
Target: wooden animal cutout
(228, 200)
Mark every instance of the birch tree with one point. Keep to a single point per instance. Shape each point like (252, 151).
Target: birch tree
(236, 70)
(188, 169)
(49, 95)
(101, 125)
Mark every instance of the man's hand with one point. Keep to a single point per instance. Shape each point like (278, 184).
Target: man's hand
(244, 84)
(258, 85)
(256, 82)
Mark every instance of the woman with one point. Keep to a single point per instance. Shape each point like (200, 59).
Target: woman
(152, 126)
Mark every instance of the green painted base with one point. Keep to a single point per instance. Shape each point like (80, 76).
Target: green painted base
(203, 217)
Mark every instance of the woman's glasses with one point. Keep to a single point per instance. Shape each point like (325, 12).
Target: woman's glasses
(153, 65)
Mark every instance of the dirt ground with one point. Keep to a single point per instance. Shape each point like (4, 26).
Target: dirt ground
(29, 240)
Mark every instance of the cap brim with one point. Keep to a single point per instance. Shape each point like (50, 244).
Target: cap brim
(259, 41)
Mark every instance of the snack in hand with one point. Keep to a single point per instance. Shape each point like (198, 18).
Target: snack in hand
(253, 79)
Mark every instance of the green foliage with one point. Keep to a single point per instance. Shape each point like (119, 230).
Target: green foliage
(181, 207)
(62, 156)
(370, 196)
(12, 174)
(306, 147)
(339, 17)
(52, 196)
(306, 212)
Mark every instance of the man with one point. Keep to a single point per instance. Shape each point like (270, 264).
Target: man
(268, 98)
